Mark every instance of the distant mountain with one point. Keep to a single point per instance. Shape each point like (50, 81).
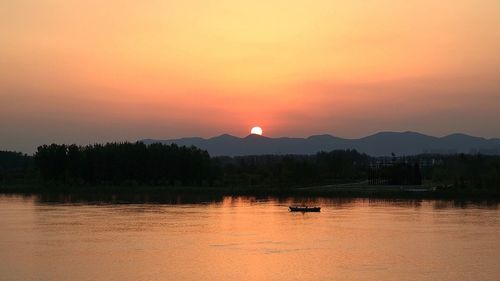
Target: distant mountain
(380, 144)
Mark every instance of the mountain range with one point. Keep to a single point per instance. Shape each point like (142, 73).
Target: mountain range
(379, 144)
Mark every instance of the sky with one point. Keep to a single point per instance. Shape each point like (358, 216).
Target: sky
(75, 71)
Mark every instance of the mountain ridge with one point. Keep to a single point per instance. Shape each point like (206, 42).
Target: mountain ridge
(378, 144)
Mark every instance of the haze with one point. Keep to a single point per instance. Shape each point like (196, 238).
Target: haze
(95, 71)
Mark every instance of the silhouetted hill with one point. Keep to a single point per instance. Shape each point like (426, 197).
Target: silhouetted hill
(380, 144)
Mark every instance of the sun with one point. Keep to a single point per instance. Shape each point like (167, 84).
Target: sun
(256, 131)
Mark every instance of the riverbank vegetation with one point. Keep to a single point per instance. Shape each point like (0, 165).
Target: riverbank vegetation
(136, 166)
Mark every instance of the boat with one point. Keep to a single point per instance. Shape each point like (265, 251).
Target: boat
(304, 209)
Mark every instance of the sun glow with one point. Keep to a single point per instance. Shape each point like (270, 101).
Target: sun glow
(97, 71)
(256, 131)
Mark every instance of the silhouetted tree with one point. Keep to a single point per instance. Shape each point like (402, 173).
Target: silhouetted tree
(116, 163)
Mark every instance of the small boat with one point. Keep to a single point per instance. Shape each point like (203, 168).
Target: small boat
(304, 209)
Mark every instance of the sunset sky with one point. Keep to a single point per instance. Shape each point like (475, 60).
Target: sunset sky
(95, 71)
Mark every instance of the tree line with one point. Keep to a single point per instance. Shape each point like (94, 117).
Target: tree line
(172, 165)
(337, 166)
(119, 163)
(14, 165)
(467, 171)
(161, 164)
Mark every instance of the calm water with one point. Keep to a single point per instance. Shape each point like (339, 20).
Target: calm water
(239, 238)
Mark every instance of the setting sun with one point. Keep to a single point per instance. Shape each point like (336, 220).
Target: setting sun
(256, 131)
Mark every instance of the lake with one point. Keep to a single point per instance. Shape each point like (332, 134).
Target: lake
(160, 237)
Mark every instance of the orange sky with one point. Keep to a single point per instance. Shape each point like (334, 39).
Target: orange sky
(87, 71)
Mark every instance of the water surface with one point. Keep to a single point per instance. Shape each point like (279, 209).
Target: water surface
(141, 237)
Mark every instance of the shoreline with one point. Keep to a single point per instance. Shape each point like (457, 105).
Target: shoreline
(344, 191)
